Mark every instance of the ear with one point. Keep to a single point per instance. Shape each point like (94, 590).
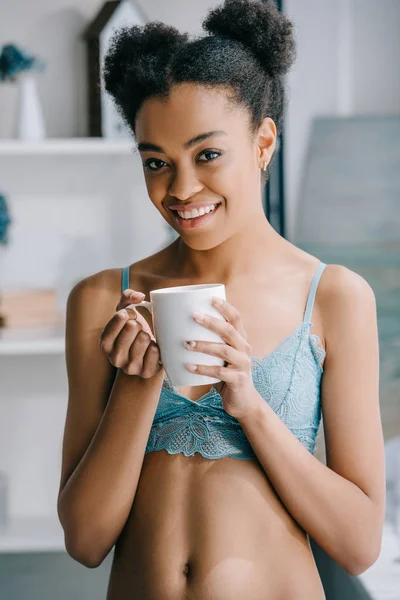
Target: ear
(266, 140)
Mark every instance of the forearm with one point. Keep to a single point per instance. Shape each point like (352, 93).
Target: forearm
(95, 502)
(336, 513)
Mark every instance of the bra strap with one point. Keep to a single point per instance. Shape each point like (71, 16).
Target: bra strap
(312, 292)
(125, 278)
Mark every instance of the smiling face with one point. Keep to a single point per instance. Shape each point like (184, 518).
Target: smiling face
(198, 153)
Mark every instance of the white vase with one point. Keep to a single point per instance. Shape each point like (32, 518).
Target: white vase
(30, 123)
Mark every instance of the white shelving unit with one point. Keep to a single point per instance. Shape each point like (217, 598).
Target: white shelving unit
(74, 202)
(36, 533)
(39, 340)
(72, 146)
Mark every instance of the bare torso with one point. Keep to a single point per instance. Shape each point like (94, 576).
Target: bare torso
(203, 529)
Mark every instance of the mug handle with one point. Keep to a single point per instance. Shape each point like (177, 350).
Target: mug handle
(144, 303)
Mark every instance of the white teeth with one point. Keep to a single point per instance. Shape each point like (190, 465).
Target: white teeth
(196, 212)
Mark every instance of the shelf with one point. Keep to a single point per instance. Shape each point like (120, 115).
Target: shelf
(32, 534)
(38, 340)
(69, 146)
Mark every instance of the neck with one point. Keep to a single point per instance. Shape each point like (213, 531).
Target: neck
(244, 254)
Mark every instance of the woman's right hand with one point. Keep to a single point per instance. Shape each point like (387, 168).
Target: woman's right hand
(128, 341)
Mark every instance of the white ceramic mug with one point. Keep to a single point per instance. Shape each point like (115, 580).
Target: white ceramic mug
(172, 314)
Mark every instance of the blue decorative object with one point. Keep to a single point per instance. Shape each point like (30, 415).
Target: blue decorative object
(5, 221)
(14, 61)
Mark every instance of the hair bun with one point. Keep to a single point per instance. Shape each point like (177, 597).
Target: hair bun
(258, 25)
(139, 48)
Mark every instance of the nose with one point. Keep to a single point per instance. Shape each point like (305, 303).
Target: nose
(184, 185)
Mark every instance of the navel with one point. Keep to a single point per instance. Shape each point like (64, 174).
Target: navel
(187, 569)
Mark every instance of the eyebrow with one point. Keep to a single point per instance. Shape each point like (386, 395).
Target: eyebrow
(143, 146)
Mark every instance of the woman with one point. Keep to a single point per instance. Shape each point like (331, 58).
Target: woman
(202, 506)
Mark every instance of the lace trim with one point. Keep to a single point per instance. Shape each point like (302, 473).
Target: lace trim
(195, 432)
(319, 352)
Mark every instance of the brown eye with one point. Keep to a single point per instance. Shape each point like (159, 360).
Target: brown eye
(149, 161)
(210, 152)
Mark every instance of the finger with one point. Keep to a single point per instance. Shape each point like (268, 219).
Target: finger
(225, 330)
(230, 313)
(229, 354)
(130, 297)
(233, 377)
(151, 359)
(112, 330)
(137, 351)
(132, 314)
(119, 354)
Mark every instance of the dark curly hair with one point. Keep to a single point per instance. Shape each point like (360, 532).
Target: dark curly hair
(249, 48)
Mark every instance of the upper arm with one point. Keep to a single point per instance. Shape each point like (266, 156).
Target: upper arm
(350, 383)
(91, 303)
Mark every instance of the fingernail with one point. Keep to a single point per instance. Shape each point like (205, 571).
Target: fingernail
(123, 313)
(192, 344)
(217, 301)
(136, 294)
(198, 316)
(191, 367)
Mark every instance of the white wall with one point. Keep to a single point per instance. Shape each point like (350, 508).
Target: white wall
(348, 63)
(376, 56)
(312, 85)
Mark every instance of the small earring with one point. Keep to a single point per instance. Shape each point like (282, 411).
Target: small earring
(265, 166)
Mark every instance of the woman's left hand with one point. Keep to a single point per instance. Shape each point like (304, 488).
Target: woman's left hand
(237, 392)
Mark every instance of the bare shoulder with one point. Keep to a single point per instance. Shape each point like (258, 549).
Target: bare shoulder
(101, 287)
(344, 298)
(340, 284)
(93, 300)
(101, 291)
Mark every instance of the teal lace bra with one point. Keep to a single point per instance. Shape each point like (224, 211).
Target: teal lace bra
(288, 378)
